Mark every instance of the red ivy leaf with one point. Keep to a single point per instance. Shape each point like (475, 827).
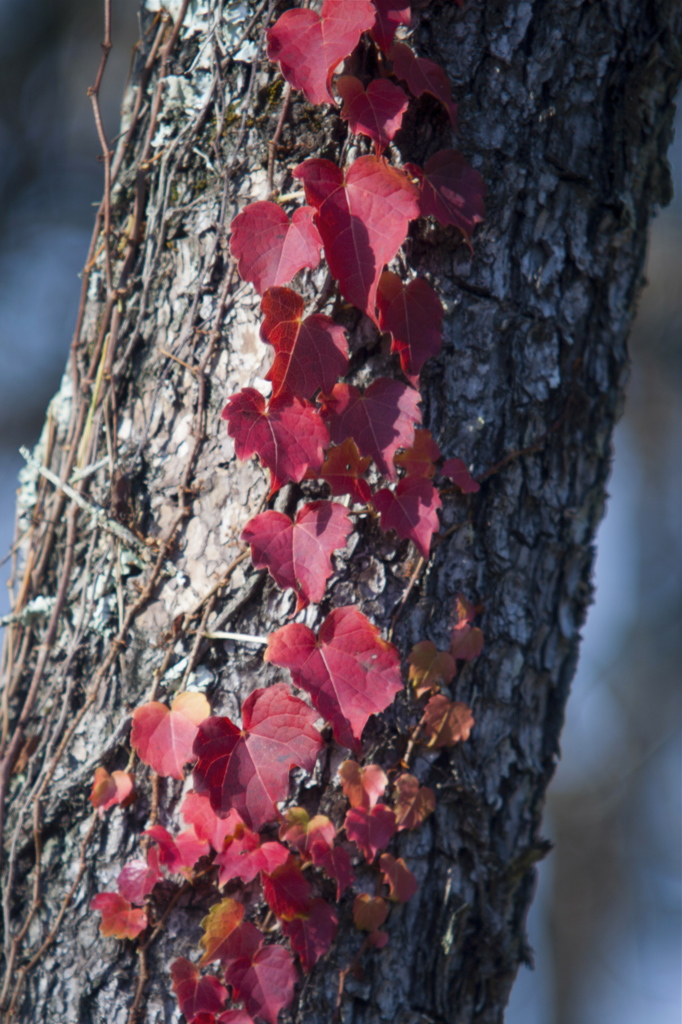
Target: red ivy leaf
(446, 722)
(398, 877)
(301, 831)
(309, 45)
(163, 739)
(419, 459)
(362, 786)
(411, 510)
(362, 218)
(243, 942)
(108, 790)
(348, 670)
(412, 803)
(119, 918)
(181, 853)
(244, 857)
(371, 831)
(380, 420)
(422, 76)
(376, 112)
(288, 436)
(390, 14)
(451, 191)
(466, 642)
(138, 877)
(310, 353)
(336, 864)
(287, 891)
(298, 554)
(270, 248)
(228, 1017)
(456, 470)
(343, 470)
(248, 768)
(369, 912)
(197, 811)
(413, 314)
(312, 935)
(428, 666)
(264, 983)
(218, 925)
(196, 994)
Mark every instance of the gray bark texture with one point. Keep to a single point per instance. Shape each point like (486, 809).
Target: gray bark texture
(566, 109)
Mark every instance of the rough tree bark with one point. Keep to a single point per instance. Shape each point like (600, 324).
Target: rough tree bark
(566, 109)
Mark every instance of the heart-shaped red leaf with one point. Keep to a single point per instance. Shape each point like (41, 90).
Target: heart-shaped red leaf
(390, 14)
(451, 191)
(196, 994)
(264, 983)
(348, 670)
(138, 877)
(362, 218)
(380, 420)
(248, 769)
(108, 790)
(376, 111)
(288, 436)
(163, 738)
(362, 785)
(218, 925)
(244, 857)
(371, 831)
(343, 470)
(197, 811)
(312, 935)
(309, 45)
(422, 75)
(298, 554)
(301, 831)
(287, 891)
(413, 314)
(310, 354)
(270, 248)
(119, 918)
(410, 510)
(179, 853)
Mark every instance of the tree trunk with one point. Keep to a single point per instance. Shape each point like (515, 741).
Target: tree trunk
(565, 107)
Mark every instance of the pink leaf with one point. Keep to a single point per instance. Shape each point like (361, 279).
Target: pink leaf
(163, 739)
(362, 218)
(390, 14)
(422, 76)
(376, 112)
(308, 45)
(343, 470)
(380, 420)
(196, 994)
(371, 831)
(197, 811)
(310, 353)
(288, 436)
(265, 983)
(138, 878)
(302, 831)
(270, 248)
(108, 790)
(348, 670)
(410, 510)
(298, 554)
(248, 769)
(181, 853)
(312, 935)
(458, 472)
(244, 857)
(451, 191)
(119, 918)
(413, 314)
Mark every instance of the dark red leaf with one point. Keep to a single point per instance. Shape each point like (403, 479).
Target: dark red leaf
(419, 459)
(270, 248)
(248, 769)
(422, 76)
(451, 191)
(287, 891)
(348, 670)
(376, 112)
(310, 354)
(298, 554)
(119, 918)
(390, 14)
(343, 470)
(398, 877)
(371, 831)
(243, 942)
(308, 45)
(312, 935)
(411, 510)
(458, 472)
(265, 983)
(380, 420)
(163, 738)
(301, 831)
(413, 314)
(336, 865)
(362, 219)
(288, 436)
(196, 994)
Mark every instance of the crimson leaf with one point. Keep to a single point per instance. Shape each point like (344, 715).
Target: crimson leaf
(451, 191)
(413, 314)
(269, 248)
(265, 982)
(390, 14)
(196, 994)
(410, 510)
(422, 76)
(376, 111)
(163, 738)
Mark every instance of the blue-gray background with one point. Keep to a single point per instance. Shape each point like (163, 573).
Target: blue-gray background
(606, 925)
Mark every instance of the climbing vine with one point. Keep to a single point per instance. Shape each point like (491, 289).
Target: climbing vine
(280, 875)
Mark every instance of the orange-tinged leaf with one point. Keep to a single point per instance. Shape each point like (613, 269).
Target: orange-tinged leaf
(301, 831)
(220, 922)
(138, 877)
(429, 667)
(398, 877)
(412, 803)
(108, 790)
(369, 912)
(163, 738)
(362, 785)
(466, 642)
(119, 918)
(446, 722)
(343, 470)
(419, 459)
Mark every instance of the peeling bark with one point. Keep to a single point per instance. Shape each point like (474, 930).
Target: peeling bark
(566, 109)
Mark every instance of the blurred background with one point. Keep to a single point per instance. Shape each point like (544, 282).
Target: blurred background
(606, 925)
